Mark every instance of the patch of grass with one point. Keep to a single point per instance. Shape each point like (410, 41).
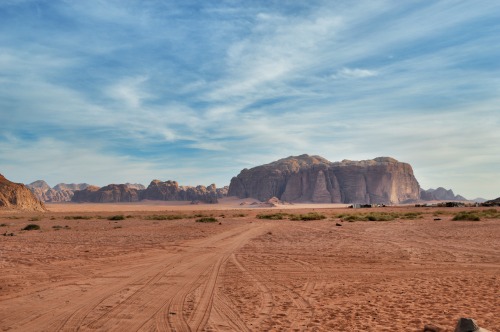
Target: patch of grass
(58, 227)
(77, 217)
(308, 216)
(411, 215)
(239, 215)
(3, 225)
(31, 227)
(207, 219)
(467, 215)
(13, 217)
(377, 216)
(117, 217)
(272, 216)
(165, 217)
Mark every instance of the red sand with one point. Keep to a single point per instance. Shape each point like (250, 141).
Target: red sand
(245, 274)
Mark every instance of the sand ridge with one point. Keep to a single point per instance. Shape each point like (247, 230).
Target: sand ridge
(245, 274)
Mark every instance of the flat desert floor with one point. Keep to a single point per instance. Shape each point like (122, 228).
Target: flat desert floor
(82, 271)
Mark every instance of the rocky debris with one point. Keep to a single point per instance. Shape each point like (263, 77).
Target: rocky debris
(60, 193)
(113, 193)
(440, 194)
(18, 196)
(171, 191)
(314, 179)
(468, 325)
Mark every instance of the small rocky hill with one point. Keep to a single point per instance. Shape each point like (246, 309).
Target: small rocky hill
(18, 196)
(305, 178)
(493, 202)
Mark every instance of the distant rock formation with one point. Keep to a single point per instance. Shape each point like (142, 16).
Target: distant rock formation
(18, 196)
(112, 193)
(440, 194)
(493, 202)
(314, 179)
(60, 193)
(157, 190)
(171, 191)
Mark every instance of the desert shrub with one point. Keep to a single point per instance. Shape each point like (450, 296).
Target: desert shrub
(117, 217)
(467, 215)
(56, 227)
(239, 215)
(35, 219)
(308, 216)
(77, 217)
(207, 219)
(272, 216)
(165, 217)
(412, 215)
(31, 227)
(129, 216)
(3, 225)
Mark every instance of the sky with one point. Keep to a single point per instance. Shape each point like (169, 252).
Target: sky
(104, 91)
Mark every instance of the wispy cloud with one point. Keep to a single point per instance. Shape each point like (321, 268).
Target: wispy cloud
(199, 91)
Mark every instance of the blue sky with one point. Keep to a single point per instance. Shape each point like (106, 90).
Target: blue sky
(194, 91)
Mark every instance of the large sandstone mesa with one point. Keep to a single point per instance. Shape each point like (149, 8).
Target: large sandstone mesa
(60, 193)
(18, 196)
(171, 191)
(314, 179)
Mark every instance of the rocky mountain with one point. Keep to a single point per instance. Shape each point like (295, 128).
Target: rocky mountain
(314, 179)
(440, 194)
(60, 193)
(112, 193)
(18, 196)
(171, 191)
(157, 190)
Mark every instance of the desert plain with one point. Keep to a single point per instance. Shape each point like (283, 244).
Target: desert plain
(153, 267)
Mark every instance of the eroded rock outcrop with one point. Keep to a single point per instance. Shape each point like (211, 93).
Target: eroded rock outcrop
(314, 179)
(113, 193)
(18, 196)
(171, 191)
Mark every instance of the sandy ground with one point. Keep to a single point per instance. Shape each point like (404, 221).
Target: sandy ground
(242, 273)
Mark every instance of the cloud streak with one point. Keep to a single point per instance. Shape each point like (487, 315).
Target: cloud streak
(198, 91)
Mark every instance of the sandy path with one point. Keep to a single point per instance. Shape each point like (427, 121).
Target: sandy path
(146, 295)
(247, 274)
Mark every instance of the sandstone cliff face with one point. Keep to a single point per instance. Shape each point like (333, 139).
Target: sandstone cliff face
(171, 191)
(314, 179)
(18, 196)
(113, 193)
